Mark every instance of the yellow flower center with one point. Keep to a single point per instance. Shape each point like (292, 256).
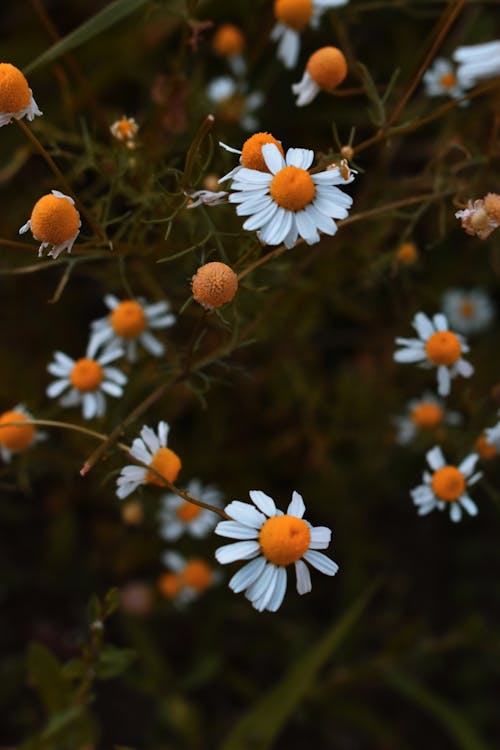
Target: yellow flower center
(251, 153)
(427, 415)
(188, 512)
(327, 67)
(228, 41)
(443, 348)
(125, 129)
(197, 575)
(15, 438)
(293, 13)
(165, 462)
(86, 374)
(54, 220)
(214, 284)
(14, 89)
(169, 585)
(485, 449)
(407, 253)
(448, 80)
(284, 539)
(467, 309)
(292, 188)
(448, 483)
(128, 319)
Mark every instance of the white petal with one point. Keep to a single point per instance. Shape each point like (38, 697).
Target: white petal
(306, 227)
(325, 223)
(64, 360)
(469, 505)
(150, 438)
(409, 355)
(320, 537)
(237, 551)
(441, 322)
(423, 326)
(261, 603)
(109, 355)
(273, 157)
(263, 502)
(89, 405)
(468, 464)
(112, 389)
(245, 514)
(261, 217)
(140, 451)
(464, 368)
(321, 562)
(57, 387)
(261, 584)
(163, 430)
(455, 512)
(247, 575)
(152, 344)
(236, 530)
(279, 591)
(296, 507)
(299, 157)
(114, 374)
(444, 380)
(255, 204)
(303, 576)
(435, 458)
(253, 177)
(275, 231)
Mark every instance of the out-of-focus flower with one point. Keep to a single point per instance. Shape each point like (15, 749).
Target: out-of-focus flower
(481, 216)
(477, 61)
(54, 221)
(214, 284)
(124, 130)
(251, 154)
(488, 447)
(406, 254)
(16, 97)
(437, 347)
(440, 80)
(130, 323)
(187, 579)
(425, 414)
(136, 598)
(292, 17)
(272, 540)
(288, 201)
(150, 449)
(228, 42)
(233, 103)
(178, 516)
(207, 198)
(132, 513)
(17, 438)
(468, 312)
(447, 485)
(87, 380)
(325, 70)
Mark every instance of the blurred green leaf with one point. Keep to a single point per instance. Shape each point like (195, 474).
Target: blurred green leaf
(260, 726)
(45, 673)
(103, 20)
(113, 661)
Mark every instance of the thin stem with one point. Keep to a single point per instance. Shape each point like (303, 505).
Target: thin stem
(194, 150)
(17, 245)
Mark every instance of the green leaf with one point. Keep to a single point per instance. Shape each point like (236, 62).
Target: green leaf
(451, 719)
(45, 673)
(377, 114)
(107, 17)
(259, 727)
(113, 661)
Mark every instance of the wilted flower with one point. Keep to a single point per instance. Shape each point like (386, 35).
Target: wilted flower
(179, 516)
(17, 438)
(16, 97)
(325, 70)
(481, 216)
(207, 198)
(214, 284)
(468, 312)
(54, 221)
(150, 449)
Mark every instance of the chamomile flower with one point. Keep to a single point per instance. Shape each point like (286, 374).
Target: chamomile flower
(87, 380)
(292, 17)
(447, 485)
(288, 201)
(325, 70)
(436, 347)
(187, 579)
(214, 284)
(272, 540)
(468, 312)
(477, 61)
(178, 516)
(16, 97)
(425, 414)
(54, 221)
(251, 154)
(124, 130)
(17, 438)
(228, 42)
(440, 80)
(233, 103)
(130, 323)
(150, 449)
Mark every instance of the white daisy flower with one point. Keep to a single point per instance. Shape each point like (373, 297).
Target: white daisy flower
(187, 579)
(129, 324)
(150, 449)
(289, 201)
(293, 16)
(124, 130)
(447, 485)
(88, 380)
(468, 312)
(437, 347)
(272, 540)
(16, 97)
(16, 439)
(477, 61)
(178, 516)
(233, 103)
(424, 414)
(55, 222)
(250, 154)
(440, 80)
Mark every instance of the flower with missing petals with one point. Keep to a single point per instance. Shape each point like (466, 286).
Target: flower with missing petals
(271, 541)
(16, 97)
(251, 154)
(476, 62)
(17, 438)
(54, 221)
(325, 70)
(179, 516)
(441, 80)
(481, 217)
(214, 284)
(468, 312)
(446, 486)
(436, 347)
(124, 130)
(426, 414)
(151, 450)
(186, 579)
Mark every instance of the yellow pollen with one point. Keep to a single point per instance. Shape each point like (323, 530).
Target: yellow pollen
(14, 90)
(448, 80)
(443, 348)
(15, 438)
(485, 449)
(284, 539)
(407, 253)
(448, 483)
(86, 374)
(492, 206)
(293, 13)
(128, 319)
(292, 188)
(188, 512)
(214, 284)
(169, 585)
(197, 575)
(167, 463)
(467, 309)
(54, 220)
(327, 67)
(427, 415)
(251, 153)
(228, 41)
